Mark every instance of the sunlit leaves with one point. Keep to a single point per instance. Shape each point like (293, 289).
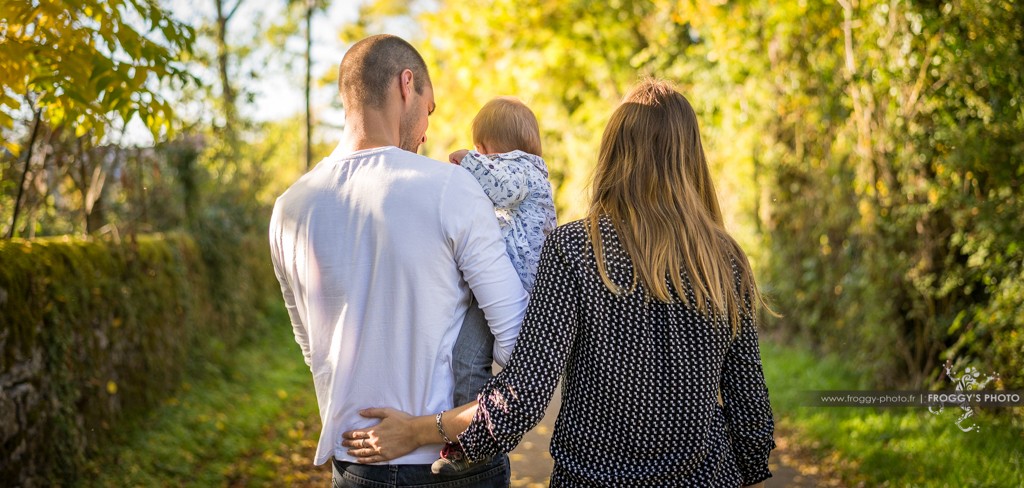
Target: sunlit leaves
(87, 64)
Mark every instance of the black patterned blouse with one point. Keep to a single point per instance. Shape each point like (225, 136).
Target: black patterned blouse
(641, 381)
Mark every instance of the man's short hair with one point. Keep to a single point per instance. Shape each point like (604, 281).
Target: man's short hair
(371, 65)
(506, 124)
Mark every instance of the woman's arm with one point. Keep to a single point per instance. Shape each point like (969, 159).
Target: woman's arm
(747, 411)
(515, 401)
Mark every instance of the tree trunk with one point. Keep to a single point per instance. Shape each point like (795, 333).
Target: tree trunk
(24, 174)
(227, 91)
(309, 116)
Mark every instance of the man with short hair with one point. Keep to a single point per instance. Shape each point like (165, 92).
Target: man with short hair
(378, 251)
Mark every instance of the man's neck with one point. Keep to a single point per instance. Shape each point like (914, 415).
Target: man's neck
(368, 131)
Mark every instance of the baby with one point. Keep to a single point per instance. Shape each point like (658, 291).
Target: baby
(507, 163)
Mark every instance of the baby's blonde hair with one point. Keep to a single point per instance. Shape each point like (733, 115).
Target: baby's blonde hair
(506, 124)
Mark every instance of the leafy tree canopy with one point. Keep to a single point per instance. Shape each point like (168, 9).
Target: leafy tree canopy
(89, 64)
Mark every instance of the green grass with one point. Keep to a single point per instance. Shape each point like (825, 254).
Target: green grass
(235, 421)
(887, 446)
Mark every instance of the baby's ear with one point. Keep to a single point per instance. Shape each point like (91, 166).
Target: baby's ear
(481, 148)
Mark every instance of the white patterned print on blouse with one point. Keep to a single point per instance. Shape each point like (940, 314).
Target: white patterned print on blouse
(640, 381)
(517, 183)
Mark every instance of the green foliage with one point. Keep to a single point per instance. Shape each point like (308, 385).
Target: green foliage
(88, 190)
(278, 157)
(85, 69)
(896, 174)
(84, 64)
(80, 182)
(103, 331)
(885, 447)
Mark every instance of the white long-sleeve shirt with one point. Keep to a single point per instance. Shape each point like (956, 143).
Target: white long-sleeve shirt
(377, 252)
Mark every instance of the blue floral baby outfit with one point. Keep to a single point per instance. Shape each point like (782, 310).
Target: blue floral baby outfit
(517, 184)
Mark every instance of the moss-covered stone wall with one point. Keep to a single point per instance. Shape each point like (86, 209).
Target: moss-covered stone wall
(93, 333)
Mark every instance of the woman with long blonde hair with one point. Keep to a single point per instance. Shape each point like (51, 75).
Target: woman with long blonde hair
(646, 310)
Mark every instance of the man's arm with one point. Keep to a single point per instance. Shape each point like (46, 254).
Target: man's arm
(277, 256)
(512, 402)
(467, 217)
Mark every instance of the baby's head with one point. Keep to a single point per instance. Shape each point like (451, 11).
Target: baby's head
(505, 124)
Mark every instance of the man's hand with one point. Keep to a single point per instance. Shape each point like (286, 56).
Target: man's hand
(397, 434)
(457, 156)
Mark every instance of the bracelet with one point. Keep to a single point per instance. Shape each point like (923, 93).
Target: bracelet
(440, 430)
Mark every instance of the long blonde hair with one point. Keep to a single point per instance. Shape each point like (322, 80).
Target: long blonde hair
(652, 181)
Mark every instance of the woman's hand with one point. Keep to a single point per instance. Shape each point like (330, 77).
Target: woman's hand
(397, 434)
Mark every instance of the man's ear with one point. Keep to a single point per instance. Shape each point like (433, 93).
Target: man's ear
(405, 84)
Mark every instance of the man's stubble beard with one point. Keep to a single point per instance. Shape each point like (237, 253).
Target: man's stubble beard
(407, 139)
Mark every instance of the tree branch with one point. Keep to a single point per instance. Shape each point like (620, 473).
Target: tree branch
(233, 10)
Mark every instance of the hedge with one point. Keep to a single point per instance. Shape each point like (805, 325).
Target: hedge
(93, 334)
(894, 193)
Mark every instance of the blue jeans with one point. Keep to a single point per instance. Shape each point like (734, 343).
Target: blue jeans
(493, 474)
(472, 355)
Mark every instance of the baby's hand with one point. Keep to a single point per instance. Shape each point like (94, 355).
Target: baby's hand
(457, 156)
